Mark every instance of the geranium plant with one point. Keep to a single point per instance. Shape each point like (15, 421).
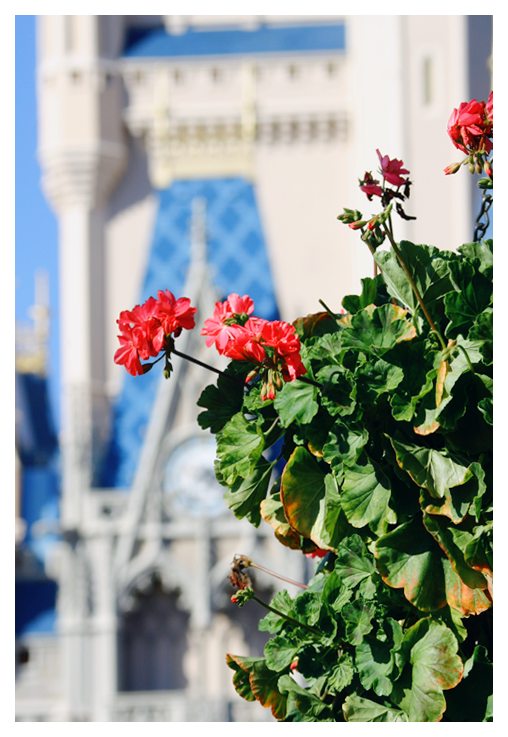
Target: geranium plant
(363, 436)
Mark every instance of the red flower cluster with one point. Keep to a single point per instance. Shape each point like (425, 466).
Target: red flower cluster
(144, 329)
(471, 126)
(273, 346)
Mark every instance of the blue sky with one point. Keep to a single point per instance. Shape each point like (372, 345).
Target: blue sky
(35, 224)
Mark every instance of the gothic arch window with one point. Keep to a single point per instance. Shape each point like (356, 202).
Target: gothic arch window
(152, 642)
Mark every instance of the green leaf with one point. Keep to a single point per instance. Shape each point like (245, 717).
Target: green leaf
(311, 501)
(375, 662)
(306, 607)
(358, 709)
(338, 392)
(456, 502)
(434, 470)
(222, 401)
(280, 651)
(483, 331)
(375, 330)
(365, 497)
(263, 683)
(341, 674)
(373, 293)
(376, 378)
(468, 701)
(354, 563)
(306, 702)
(296, 402)
(410, 558)
(420, 363)
(357, 615)
(482, 250)
(273, 622)
(241, 680)
(239, 447)
(335, 592)
(245, 495)
(326, 350)
(344, 444)
(453, 542)
(429, 268)
(464, 306)
(435, 666)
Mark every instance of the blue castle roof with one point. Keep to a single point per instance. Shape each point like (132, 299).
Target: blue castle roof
(239, 263)
(262, 40)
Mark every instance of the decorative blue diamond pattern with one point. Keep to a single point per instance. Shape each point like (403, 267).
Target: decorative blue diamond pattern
(239, 263)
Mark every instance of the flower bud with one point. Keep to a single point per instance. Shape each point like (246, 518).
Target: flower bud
(452, 168)
(487, 168)
(471, 168)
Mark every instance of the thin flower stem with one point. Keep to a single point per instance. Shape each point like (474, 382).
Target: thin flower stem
(414, 287)
(207, 366)
(310, 381)
(332, 314)
(289, 619)
(467, 358)
(278, 575)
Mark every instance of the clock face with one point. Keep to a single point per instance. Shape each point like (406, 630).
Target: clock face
(189, 479)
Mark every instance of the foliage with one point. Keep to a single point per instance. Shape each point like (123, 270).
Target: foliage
(385, 446)
(365, 438)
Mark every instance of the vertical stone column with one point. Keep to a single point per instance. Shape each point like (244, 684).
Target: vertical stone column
(103, 630)
(82, 153)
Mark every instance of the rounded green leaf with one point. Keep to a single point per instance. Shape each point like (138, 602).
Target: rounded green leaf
(410, 558)
(365, 497)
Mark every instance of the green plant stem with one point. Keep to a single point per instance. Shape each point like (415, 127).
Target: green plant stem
(289, 619)
(332, 314)
(414, 287)
(278, 575)
(310, 381)
(467, 358)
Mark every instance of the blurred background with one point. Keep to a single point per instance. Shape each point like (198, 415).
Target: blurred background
(205, 155)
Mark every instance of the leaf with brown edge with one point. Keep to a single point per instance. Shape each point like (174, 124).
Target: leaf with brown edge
(303, 491)
(434, 470)
(430, 424)
(316, 324)
(462, 598)
(431, 650)
(451, 540)
(263, 683)
(272, 511)
(240, 678)
(478, 555)
(375, 330)
(409, 558)
(456, 502)
(454, 505)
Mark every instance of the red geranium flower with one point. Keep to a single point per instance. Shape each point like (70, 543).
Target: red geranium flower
(127, 355)
(221, 328)
(470, 126)
(174, 313)
(392, 169)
